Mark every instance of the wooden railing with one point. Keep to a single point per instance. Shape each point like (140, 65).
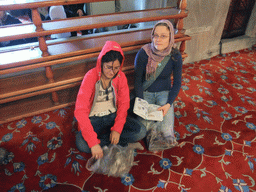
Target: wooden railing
(26, 91)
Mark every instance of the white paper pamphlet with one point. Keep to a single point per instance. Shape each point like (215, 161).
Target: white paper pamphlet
(147, 111)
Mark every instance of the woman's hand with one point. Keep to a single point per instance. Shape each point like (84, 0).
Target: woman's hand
(114, 137)
(164, 108)
(97, 151)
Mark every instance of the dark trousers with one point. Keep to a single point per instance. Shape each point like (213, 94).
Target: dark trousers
(133, 131)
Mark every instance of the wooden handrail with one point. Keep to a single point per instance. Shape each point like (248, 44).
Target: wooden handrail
(31, 4)
(16, 68)
(73, 46)
(70, 47)
(87, 22)
(90, 36)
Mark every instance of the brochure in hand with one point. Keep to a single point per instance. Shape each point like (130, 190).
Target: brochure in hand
(147, 111)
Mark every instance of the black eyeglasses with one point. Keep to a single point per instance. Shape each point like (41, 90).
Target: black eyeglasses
(114, 69)
(160, 36)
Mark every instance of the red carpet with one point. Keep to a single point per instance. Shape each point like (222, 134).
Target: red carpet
(215, 123)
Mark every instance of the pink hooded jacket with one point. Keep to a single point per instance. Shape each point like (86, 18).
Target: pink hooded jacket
(85, 97)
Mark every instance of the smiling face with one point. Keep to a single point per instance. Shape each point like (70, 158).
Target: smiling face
(110, 69)
(161, 37)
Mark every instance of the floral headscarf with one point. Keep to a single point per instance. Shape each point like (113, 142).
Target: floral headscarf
(155, 56)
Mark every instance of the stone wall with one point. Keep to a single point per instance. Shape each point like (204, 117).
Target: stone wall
(205, 24)
(251, 28)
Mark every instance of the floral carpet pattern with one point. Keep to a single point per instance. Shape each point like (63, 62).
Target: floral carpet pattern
(215, 123)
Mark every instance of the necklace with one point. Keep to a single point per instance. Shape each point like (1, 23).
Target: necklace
(104, 86)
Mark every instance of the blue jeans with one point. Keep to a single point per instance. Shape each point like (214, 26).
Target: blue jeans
(160, 98)
(133, 131)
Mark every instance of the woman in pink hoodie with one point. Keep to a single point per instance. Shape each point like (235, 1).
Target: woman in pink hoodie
(102, 104)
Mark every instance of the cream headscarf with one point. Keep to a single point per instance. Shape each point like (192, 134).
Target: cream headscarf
(155, 56)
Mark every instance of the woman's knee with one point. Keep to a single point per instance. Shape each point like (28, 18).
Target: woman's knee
(134, 129)
(142, 130)
(81, 144)
(170, 114)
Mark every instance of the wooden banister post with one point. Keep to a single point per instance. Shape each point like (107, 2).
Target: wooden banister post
(178, 3)
(176, 20)
(180, 26)
(182, 7)
(182, 4)
(182, 47)
(37, 19)
(43, 47)
(48, 70)
(49, 75)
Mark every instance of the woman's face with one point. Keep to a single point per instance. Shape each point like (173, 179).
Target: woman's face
(161, 38)
(110, 69)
